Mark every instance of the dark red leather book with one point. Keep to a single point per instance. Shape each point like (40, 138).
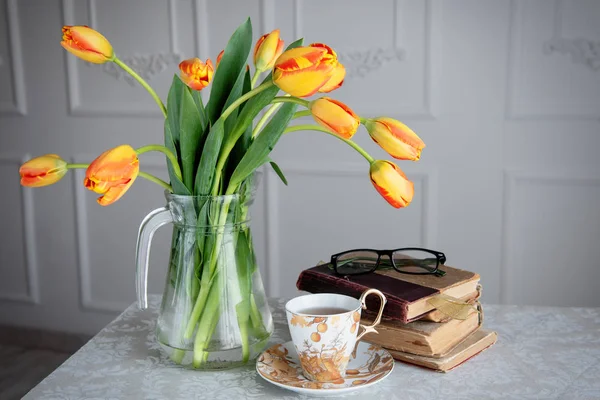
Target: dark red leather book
(406, 294)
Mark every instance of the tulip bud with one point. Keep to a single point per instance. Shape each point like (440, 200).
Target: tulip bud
(391, 183)
(87, 44)
(268, 48)
(219, 57)
(196, 74)
(112, 173)
(339, 72)
(302, 71)
(335, 116)
(395, 138)
(43, 171)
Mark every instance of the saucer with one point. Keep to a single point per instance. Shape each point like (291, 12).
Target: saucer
(280, 365)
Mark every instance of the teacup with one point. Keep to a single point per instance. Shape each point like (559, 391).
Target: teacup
(324, 329)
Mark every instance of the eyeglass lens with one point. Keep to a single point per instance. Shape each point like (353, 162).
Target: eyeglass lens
(356, 262)
(415, 261)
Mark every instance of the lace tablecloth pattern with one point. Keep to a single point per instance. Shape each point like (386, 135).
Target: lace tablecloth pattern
(541, 353)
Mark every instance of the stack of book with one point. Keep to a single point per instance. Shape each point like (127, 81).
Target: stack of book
(430, 321)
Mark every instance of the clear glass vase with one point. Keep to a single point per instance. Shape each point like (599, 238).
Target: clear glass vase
(214, 312)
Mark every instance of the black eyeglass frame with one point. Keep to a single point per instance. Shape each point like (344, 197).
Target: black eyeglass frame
(441, 260)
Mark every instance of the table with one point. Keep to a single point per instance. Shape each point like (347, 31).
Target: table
(542, 353)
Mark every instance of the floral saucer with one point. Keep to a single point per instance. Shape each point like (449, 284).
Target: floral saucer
(280, 365)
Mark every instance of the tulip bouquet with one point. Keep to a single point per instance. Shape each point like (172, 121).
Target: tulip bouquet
(212, 151)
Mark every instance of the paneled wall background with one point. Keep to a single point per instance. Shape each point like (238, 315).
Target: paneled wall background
(505, 94)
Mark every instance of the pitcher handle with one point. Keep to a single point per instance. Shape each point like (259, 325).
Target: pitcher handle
(153, 221)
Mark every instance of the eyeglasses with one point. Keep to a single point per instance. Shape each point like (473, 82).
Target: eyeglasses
(409, 260)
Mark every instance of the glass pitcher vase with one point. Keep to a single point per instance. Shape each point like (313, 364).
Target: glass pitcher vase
(214, 312)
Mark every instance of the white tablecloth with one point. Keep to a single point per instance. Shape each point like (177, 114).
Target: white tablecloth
(542, 353)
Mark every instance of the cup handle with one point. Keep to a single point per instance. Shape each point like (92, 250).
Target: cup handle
(370, 328)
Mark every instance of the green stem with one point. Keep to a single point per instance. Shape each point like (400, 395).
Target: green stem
(290, 99)
(298, 114)
(156, 180)
(74, 166)
(254, 79)
(263, 120)
(245, 97)
(350, 143)
(172, 157)
(143, 83)
(208, 274)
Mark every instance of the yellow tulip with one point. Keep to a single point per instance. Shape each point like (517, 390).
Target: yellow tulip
(391, 183)
(395, 138)
(303, 71)
(112, 173)
(196, 74)
(335, 116)
(267, 50)
(87, 44)
(43, 171)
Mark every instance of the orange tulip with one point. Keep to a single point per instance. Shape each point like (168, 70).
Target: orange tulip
(268, 49)
(195, 73)
(219, 57)
(112, 173)
(87, 44)
(391, 183)
(335, 116)
(43, 171)
(303, 71)
(339, 72)
(395, 138)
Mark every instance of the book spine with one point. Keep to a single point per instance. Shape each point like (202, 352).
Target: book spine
(314, 282)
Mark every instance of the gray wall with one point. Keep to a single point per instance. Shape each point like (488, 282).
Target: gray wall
(505, 94)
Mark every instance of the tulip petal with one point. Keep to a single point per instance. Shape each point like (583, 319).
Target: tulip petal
(336, 80)
(91, 40)
(300, 58)
(114, 193)
(391, 183)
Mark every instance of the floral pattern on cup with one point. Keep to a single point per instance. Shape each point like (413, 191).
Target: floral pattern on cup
(325, 343)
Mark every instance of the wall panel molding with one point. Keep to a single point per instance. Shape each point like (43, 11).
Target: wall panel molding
(511, 179)
(87, 302)
(428, 215)
(583, 51)
(32, 295)
(147, 65)
(359, 62)
(15, 62)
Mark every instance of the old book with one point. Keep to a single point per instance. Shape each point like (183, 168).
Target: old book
(406, 294)
(473, 345)
(439, 316)
(431, 339)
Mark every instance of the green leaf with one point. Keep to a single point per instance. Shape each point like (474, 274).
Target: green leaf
(244, 142)
(235, 94)
(184, 122)
(258, 152)
(178, 186)
(201, 110)
(233, 61)
(208, 160)
(279, 172)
